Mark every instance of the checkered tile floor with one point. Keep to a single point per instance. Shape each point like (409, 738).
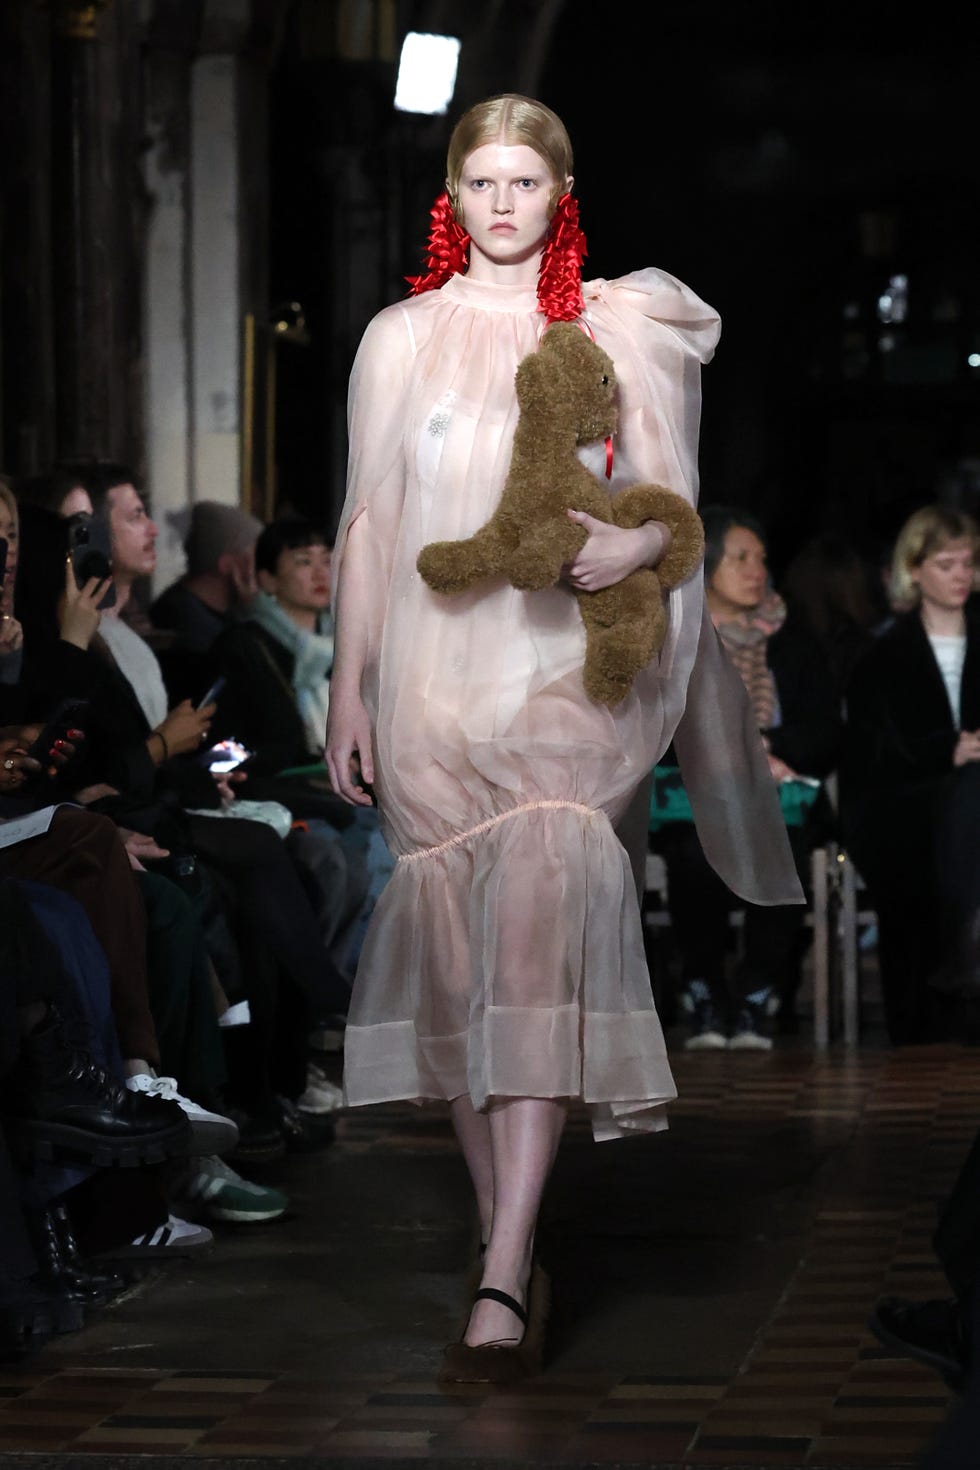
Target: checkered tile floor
(885, 1133)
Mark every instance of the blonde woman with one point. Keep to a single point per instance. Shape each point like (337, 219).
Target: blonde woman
(910, 776)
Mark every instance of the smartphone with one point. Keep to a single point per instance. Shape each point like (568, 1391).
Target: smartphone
(90, 549)
(226, 755)
(3, 560)
(71, 714)
(212, 693)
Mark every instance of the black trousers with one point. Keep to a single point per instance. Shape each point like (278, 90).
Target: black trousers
(921, 864)
(289, 978)
(700, 904)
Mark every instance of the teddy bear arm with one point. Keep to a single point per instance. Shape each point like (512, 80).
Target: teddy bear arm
(641, 503)
(451, 567)
(542, 551)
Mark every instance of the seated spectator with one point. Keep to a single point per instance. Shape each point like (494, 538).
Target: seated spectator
(159, 983)
(831, 590)
(797, 709)
(276, 663)
(910, 781)
(141, 765)
(215, 590)
(62, 492)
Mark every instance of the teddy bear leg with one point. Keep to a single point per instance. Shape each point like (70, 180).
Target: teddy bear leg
(625, 627)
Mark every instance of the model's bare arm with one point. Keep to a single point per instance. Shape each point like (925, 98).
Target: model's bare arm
(348, 752)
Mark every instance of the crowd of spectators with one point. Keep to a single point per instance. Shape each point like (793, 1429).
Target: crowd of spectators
(183, 898)
(867, 693)
(179, 931)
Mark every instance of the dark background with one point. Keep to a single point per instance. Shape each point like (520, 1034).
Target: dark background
(785, 162)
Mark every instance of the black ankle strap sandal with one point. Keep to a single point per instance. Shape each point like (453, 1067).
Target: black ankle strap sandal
(491, 1294)
(506, 1361)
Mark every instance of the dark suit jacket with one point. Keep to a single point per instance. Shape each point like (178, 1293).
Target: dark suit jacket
(808, 736)
(258, 706)
(897, 760)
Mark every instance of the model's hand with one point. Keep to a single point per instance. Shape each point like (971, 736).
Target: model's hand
(347, 751)
(78, 607)
(185, 729)
(613, 552)
(967, 748)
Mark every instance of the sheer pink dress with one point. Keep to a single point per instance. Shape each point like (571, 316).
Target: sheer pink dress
(505, 955)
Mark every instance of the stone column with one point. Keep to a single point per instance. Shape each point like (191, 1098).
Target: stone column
(96, 218)
(216, 313)
(166, 307)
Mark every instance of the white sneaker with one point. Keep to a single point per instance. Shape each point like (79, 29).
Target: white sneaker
(175, 1237)
(212, 1132)
(321, 1095)
(749, 1040)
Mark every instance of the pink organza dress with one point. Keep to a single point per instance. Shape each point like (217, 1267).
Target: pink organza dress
(505, 955)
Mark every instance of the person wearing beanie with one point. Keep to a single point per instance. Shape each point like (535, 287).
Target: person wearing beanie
(215, 590)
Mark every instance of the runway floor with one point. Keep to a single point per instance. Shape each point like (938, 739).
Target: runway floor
(711, 1290)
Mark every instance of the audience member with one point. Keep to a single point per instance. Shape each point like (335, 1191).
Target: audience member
(830, 589)
(62, 492)
(276, 663)
(797, 709)
(910, 780)
(214, 592)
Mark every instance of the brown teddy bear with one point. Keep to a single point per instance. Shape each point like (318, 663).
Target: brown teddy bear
(566, 396)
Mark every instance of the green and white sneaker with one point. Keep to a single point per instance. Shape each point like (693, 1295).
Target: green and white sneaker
(212, 1189)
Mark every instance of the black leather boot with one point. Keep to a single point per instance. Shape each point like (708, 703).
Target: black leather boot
(75, 1267)
(54, 1273)
(59, 1102)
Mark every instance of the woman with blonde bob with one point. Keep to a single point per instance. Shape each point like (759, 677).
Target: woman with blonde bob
(930, 532)
(910, 777)
(503, 972)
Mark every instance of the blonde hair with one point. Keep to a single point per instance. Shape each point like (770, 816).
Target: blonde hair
(514, 120)
(924, 533)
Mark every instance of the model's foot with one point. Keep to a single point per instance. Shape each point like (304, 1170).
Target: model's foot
(492, 1322)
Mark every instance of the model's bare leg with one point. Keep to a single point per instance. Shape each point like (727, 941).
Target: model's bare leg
(524, 1137)
(473, 1134)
